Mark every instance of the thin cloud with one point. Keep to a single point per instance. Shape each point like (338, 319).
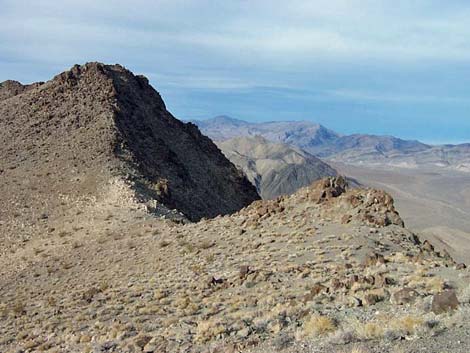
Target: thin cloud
(393, 98)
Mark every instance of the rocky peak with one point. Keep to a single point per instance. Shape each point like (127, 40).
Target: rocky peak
(96, 122)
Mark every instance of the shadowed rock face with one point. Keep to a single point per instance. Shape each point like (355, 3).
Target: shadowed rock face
(71, 135)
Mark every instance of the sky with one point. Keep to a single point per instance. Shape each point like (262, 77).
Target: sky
(383, 67)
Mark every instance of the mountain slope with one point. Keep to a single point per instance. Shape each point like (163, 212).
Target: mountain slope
(274, 168)
(98, 132)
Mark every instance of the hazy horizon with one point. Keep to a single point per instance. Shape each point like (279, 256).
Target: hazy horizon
(377, 67)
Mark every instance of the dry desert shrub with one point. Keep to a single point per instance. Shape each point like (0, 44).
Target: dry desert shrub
(369, 330)
(457, 318)
(208, 330)
(431, 285)
(19, 308)
(407, 325)
(161, 187)
(317, 325)
(435, 285)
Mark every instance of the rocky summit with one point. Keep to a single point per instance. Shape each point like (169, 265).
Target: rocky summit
(326, 269)
(99, 136)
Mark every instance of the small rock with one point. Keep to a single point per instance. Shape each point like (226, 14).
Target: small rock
(244, 271)
(150, 348)
(381, 280)
(244, 333)
(371, 299)
(427, 246)
(354, 302)
(374, 259)
(445, 301)
(141, 341)
(404, 296)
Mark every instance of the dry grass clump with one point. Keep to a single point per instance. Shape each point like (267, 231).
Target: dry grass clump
(162, 187)
(208, 330)
(407, 325)
(431, 285)
(19, 308)
(3, 310)
(385, 327)
(369, 330)
(186, 247)
(317, 325)
(435, 285)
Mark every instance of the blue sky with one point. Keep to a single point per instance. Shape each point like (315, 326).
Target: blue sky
(383, 67)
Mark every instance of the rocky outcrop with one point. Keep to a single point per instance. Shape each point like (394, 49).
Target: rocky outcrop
(370, 206)
(327, 189)
(336, 201)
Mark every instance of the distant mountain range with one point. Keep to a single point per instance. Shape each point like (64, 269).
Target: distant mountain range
(355, 149)
(274, 168)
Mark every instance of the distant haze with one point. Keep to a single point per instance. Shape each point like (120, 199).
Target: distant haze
(400, 67)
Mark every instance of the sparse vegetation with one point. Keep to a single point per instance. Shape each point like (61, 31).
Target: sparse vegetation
(317, 325)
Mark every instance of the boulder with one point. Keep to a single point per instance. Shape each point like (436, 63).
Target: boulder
(404, 296)
(445, 301)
